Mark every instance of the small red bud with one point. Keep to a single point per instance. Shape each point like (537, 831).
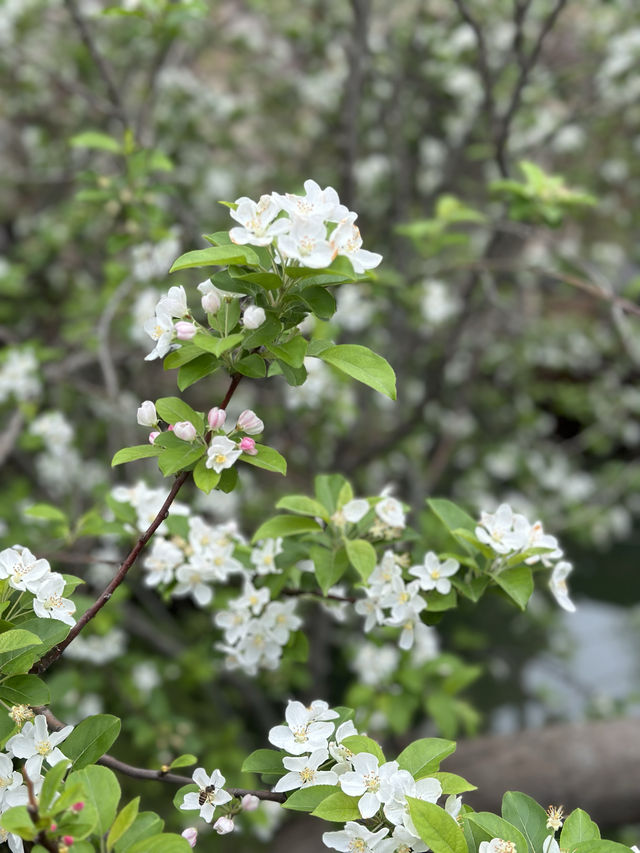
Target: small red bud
(77, 807)
(68, 840)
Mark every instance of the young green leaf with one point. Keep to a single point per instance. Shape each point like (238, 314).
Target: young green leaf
(138, 451)
(517, 583)
(338, 808)
(362, 556)
(364, 365)
(423, 756)
(285, 525)
(528, 816)
(215, 256)
(303, 506)
(205, 478)
(578, 827)
(173, 410)
(123, 821)
(90, 739)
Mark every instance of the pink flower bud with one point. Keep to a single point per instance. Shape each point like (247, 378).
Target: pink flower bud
(248, 445)
(152, 436)
(223, 825)
(77, 807)
(53, 827)
(147, 415)
(250, 423)
(170, 427)
(250, 802)
(191, 834)
(216, 418)
(185, 430)
(68, 840)
(185, 331)
(211, 302)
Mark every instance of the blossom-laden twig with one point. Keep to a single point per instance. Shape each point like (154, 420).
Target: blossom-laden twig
(154, 775)
(56, 652)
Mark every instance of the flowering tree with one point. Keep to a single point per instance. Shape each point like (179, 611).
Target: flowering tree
(278, 266)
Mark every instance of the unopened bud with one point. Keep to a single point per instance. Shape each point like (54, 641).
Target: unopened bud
(224, 825)
(185, 430)
(77, 807)
(53, 827)
(250, 802)
(253, 317)
(185, 331)
(147, 415)
(250, 423)
(152, 436)
(191, 834)
(216, 418)
(211, 302)
(68, 840)
(248, 445)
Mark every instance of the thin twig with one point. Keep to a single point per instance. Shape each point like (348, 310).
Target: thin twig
(54, 653)
(99, 60)
(347, 599)
(153, 775)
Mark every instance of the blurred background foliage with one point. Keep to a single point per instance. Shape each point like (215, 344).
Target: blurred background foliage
(506, 303)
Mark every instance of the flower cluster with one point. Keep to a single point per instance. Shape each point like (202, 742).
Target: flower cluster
(393, 602)
(319, 754)
(309, 230)
(255, 628)
(34, 744)
(19, 375)
(222, 452)
(26, 573)
(508, 534)
(210, 795)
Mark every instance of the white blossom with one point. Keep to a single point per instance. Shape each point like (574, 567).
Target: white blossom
(147, 415)
(391, 512)
(35, 743)
(559, 588)
(355, 510)
(193, 581)
(210, 793)
(263, 557)
(504, 531)
(316, 202)
(369, 781)
(222, 453)
(173, 303)
(49, 603)
(435, 575)
(303, 772)
(300, 735)
(161, 562)
(259, 226)
(355, 838)
(307, 243)
(253, 317)
(160, 329)
(23, 569)
(346, 241)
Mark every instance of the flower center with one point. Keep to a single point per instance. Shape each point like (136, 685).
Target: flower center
(307, 775)
(300, 735)
(358, 845)
(5, 781)
(219, 458)
(307, 245)
(435, 574)
(54, 602)
(43, 747)
(372, 782)
(505, 846)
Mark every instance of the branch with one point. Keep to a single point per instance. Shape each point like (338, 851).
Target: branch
(100, 62)
(54, 653)
(483, 59)
(154, 775)
(298, 592)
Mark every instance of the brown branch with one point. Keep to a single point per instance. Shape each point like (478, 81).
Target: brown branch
(53, 654)
(99, 60)
(483, 59)
(299, 592)
(154, 775)
(32, 808)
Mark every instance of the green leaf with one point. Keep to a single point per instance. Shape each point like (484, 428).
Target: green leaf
(173, 410)
(217, 346)
(292, 352)
(266, 280)
(46, 512)
(364, 365)
(101, 789)
(453, 519)
(252, 366)
(423, 756)
(178, 357)
(578, 827)
(17, 820)
(267, 458)
(185, 760)
(293, 375)
(96, 141)
(177, 459)
(596, 846)
(228, 480)
(264, 334)
(51, 784)
(17, 639)
(436, 827)
(90, 739)
(264, 761)
(138, 451)
(205, 478)
(123, 821)
(197, 369)
(320, 301)
(329, 566)
(362, 743)
(285, 525)
(24, 690)
(338, 808)
(50, 632)
(362, 556)
(491, 826)
(303, 506)
(216, 256)
(146, 825)
(528, 816)
(517, 583)
(452, 783)
(308, 799)
(328, 488)
(163, 843)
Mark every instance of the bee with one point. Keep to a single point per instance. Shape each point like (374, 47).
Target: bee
(204, 793)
